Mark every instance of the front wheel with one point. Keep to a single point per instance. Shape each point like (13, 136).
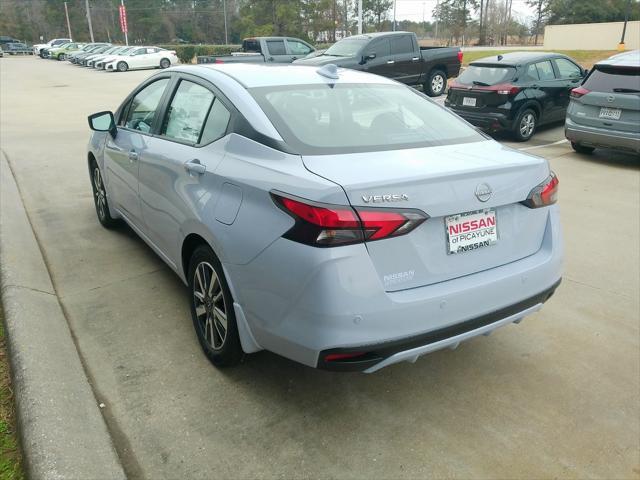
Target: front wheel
(100, 197)
(525, 125)
(61, 57)
(212, 309)
(436, 84)
(165, 63)
(123, 67)
(582, 149)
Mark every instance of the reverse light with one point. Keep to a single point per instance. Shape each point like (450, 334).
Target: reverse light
(324, 225)
(544, 194)
(578, 92)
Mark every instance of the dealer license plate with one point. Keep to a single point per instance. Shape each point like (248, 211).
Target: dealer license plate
(471, 231)
(469, 102)
(612, 113)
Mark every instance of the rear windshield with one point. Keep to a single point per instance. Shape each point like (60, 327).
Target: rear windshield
(614, 80)
(486, 75)
(347, 118)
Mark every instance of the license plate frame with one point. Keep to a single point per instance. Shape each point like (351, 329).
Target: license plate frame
(474, 237)
(469, 101)
(609, 113)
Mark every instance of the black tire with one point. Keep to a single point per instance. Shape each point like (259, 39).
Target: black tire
(436, 83)
(165, 63)
(122, 66)
(221, 346)
(525, 125)
(100, 199)
(582, 149)
(61, 57)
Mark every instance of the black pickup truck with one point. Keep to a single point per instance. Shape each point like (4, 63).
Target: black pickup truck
(395, 55)
(264, 49)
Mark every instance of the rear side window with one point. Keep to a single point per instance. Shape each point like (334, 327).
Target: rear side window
(217, 122)
(545, 70)
(614, 80)
(187, 112)
(276, 47)
(401, 44)
(486, 75)
(532, 73)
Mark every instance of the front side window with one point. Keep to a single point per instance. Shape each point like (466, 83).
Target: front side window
(187, 112)
(568, 69)
(345, 118)
(380, 47)
(545, 70)
(298, 48)
(144, 105)
(276, 47)
(346, 48)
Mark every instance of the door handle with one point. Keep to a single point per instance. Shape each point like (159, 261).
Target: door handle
(294, 58)
(133, 155)
(194, 166)
(390, 62)
(415, 59)
(535, 86)
(270, 59)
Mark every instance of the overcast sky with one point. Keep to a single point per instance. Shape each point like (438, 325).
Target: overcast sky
(414, 9)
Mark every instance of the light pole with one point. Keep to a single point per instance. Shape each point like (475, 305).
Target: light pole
(86, 2)
(394, 15)
(66, 13)
(224, 8)
(359, 17)
(621, 45)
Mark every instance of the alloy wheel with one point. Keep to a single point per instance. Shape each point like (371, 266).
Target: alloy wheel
(210, 306)
(101, 196)
(527, 125)
(437, 84)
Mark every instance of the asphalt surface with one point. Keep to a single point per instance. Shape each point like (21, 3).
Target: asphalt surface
(556, 396)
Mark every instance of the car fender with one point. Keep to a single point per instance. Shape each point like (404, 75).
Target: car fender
(530, 103)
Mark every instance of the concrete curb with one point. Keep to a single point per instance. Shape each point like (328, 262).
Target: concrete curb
(62, 432)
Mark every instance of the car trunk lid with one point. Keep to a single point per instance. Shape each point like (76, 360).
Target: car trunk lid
(442, 181)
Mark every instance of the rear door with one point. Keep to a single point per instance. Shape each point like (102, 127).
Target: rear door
(611, 101)
(548, 92)
(405, 58)
(189, 143)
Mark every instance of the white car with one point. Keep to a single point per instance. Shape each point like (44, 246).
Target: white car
(56, 42)
(143, 57)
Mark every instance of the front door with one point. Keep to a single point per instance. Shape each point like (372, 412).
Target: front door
(123, 153)
(382, 64)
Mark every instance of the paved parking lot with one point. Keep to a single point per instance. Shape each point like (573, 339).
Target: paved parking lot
(556, 396)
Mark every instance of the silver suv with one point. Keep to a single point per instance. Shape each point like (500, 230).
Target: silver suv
(604, 111)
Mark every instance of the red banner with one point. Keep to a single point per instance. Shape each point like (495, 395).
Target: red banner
(123, 18)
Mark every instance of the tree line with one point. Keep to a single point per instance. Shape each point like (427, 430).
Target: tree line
(203, 21)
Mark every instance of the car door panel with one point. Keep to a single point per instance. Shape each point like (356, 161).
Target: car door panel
(382, 64)
(569, 76)
(406, 61)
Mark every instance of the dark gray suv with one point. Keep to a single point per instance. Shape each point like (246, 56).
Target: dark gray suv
(605, 110)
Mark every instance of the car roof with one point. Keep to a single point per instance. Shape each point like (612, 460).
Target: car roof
(626, 59)
(251, 75)
(367, 36)
(513, 59)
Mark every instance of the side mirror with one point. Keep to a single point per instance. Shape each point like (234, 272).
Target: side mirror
(103, 122)
(366, 58)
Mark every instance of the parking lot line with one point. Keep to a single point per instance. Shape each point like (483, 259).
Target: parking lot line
(535, 147)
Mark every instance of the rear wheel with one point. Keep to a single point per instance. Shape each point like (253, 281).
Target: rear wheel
(436, 84)
(212, 309)
(123, 67)
(525, 125)
(165, 63)
(581, 148)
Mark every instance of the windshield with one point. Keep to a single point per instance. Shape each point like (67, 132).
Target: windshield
(347, 118)
(485, 75)
(608, 79)
(346, 48)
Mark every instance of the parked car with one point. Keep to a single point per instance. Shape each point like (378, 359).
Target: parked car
(394, 55)
(515, 92)
(100, 61)
(56, 42)
(17, 48)
(604, 111)
(60, 53)
(90, 60)
(87, 50)
(143, 57)
(1, 52)
(264, 49)
(337, 218)
(4, 40)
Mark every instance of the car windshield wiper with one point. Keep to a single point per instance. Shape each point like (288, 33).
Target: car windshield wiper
(482, 84)
(626, 90)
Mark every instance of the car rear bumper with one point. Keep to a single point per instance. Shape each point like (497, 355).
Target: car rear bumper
(601, 138)
(489, 121)
(325, 301)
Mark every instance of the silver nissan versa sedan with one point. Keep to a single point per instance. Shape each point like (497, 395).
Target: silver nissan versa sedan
(337, 218)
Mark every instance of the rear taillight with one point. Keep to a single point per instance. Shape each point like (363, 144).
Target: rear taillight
(506, 89)
(460, 55)
(217, 60)
(324, 225)
(172, 52)
(578, 92)
(544, 194)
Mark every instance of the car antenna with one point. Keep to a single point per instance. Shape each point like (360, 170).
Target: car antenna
(500, 57)
(330, 71)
